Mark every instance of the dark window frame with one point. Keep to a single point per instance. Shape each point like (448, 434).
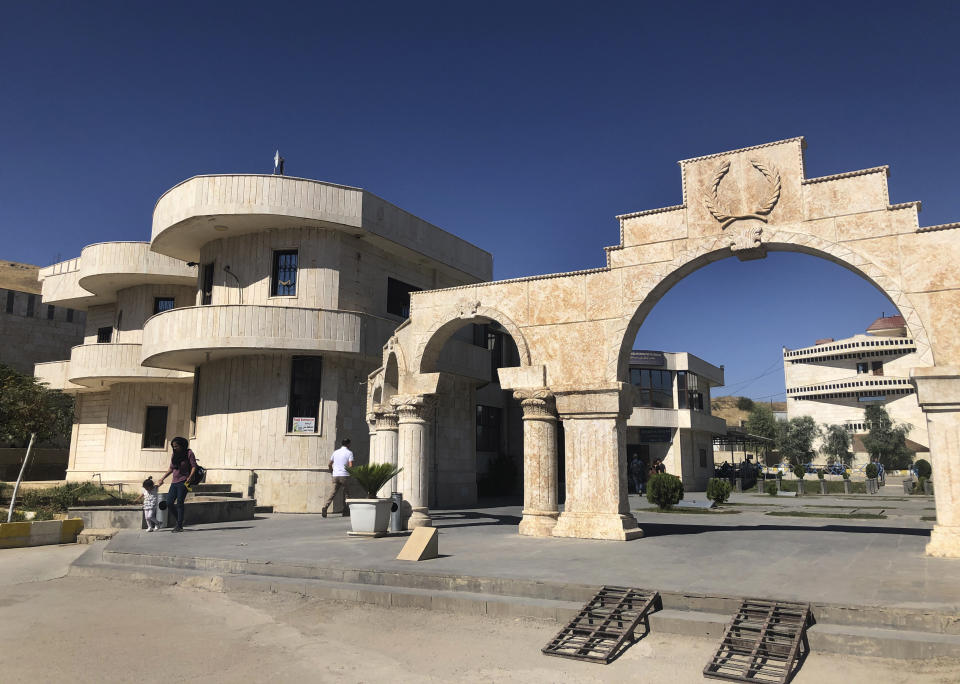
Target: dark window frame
(51, 311)
(194, 402)
(11, 300)
(398, 297)
(159, 304)
(206, 284)
(306, 391)
(489, 428)
(31, 305)
(283, 278)
(69, 315)
(105, 334)
(155, 436)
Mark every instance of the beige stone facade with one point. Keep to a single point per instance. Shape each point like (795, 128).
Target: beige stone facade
(574, 331)
(249, 324)
(835, 380)
(32, 331)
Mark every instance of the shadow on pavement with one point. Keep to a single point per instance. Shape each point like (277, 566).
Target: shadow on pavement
(666, 529)
(449, 519)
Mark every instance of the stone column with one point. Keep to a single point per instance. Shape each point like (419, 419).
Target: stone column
(938, 392)
(596, 505)
(386, 445)
(539, 462)
(414, 446)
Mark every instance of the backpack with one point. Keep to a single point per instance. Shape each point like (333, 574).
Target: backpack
(199, 475)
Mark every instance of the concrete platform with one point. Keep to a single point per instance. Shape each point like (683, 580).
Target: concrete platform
(873, 590)
(197, 509)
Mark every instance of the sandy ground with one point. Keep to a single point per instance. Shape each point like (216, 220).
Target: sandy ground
(75, 629)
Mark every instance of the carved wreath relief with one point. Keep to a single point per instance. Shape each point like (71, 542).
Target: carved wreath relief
(746, 239)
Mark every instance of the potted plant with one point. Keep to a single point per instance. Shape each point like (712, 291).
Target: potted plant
(871, 472)
(799, 471)
(846, 481)
(823, 482)
(370, 517)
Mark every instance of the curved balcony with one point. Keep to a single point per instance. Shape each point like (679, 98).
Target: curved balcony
(54, 375)
(102, 269)
(182, 339)
(99, 365)
(858, 347)
(206, 208)
(865, 384)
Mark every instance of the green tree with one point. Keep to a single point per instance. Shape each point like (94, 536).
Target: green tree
(762, 423)
(29, 412)
(745, 403)
(796, 439)
(836, 445)
(886, 440)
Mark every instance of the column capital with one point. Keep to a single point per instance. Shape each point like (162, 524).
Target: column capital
(614, 401)
(938, 387)
(537, 404)
(413, 407)
(387, 420)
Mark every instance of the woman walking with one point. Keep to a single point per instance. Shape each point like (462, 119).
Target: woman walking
(183, 464)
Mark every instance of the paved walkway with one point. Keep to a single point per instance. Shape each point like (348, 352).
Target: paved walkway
(861, 562)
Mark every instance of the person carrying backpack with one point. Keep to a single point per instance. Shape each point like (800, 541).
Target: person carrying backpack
(183, 466)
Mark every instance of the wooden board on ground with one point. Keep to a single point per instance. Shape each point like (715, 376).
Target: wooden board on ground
(422, 545)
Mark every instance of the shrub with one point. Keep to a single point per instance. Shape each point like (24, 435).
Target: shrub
(820, 473)
(745, 403)
(718, 490)
(918, 486)
(799, 471)
(871, 471)
(923, 468)
(770, 488)
(44, 514)
(664, 490)
(374, 476)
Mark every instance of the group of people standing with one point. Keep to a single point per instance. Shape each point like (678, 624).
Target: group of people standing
(639, 473)
(183, 466)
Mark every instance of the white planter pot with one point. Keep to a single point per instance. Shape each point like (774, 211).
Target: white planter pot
(369, 517)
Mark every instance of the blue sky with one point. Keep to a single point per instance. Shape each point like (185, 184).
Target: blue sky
(523, 127)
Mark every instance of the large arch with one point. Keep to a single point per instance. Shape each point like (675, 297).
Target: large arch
(450, 321)
(708, 250)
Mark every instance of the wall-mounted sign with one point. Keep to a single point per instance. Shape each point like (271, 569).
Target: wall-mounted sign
(640, 357)
(655, 435)
(305, 424)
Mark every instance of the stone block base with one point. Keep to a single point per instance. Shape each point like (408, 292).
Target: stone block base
(597, 526)
(419, 517)
(538, 523)
(944, 542)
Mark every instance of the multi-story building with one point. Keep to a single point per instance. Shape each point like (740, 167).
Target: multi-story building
(671, 418)
(249, 323)
(30, 331)
(834, 381)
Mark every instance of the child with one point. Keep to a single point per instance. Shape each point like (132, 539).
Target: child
(151, 498)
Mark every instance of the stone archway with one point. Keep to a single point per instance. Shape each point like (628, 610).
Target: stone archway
(574, 329)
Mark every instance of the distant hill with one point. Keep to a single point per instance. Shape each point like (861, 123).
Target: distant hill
(20, 277)
(726, 408)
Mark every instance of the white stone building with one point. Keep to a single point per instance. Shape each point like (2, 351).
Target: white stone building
(671, 418)
(834, 381)
(249, 323)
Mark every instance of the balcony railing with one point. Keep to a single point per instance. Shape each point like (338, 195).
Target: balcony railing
(99, 365)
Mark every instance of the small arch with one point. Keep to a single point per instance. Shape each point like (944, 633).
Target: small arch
(433, 340)
(715, 248)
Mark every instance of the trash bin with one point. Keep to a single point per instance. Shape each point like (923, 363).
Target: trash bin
(162, 509)
(396, 521)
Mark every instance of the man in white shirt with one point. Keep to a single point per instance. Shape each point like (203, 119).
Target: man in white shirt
(341, 459)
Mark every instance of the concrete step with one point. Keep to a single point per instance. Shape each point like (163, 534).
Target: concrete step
(216, 493)
(89, 536)
(211, 488)
(263, 509)
(823, 637)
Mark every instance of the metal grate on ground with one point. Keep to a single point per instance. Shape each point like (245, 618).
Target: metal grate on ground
(601, 629)
(762, 643)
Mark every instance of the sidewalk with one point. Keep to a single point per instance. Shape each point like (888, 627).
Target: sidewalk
(852, 562)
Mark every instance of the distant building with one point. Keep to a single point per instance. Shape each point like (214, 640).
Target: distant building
(31, 331)
(671, 418)
(835, 380)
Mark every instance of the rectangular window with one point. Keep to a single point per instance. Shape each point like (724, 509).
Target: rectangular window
(283, 283)
(703, 458)
(398, 297)
(862, 368)
(11, 298)
(304, 408)
(488, 428)
(31, 304)
(877, 367)
(161, 304)
(104, 335)
(155, 428)
(69, 315)
(50, 309)
(654, 387)
(206, 284)
(194, 400)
